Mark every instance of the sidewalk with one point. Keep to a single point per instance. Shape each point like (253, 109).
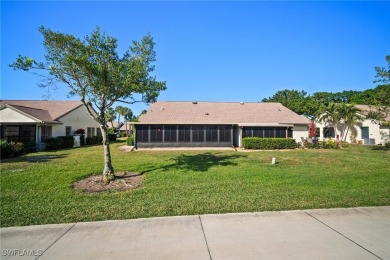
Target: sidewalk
(356, 233)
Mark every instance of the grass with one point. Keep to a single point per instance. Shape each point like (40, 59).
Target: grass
(37, 188)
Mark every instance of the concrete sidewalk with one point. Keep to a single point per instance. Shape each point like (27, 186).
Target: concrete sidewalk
(356, 233)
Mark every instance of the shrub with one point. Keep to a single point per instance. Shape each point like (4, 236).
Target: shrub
(111, 137)
(59, 142)
(317, 145)
(11, 149)
(123, 134)
(79, 131)
(327, 144)
(94, 140)
(82, 140)
(130, 140)
(268, 143)
(330, 144)
(54, 143)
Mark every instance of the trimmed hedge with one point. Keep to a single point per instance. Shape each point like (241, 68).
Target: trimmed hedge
(268, 143)
(94, 140)
(130, 140)
(82, 140)
(11, 149)
(59, 142)
(111, 137)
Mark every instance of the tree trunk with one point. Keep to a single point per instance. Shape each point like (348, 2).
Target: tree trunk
(127, 133)
(346, 133)
(108, 172)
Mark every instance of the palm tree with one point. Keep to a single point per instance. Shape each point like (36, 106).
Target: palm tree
(351, 115)
(110, 116)
(331, 116)
(128, 116)
(121, 111)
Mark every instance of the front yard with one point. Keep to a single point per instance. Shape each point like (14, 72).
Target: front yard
(37, 188)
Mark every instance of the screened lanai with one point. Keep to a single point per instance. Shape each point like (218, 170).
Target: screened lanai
(184, 135)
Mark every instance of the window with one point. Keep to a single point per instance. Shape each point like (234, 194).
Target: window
(329, 132)
(98, 131)
(45, 133)
(156, 133)
(68, 130)
(197, 133)
(212, 133)
(170, 133)
(142, 133)
(225, 133)
(90, 131)
(184, 133)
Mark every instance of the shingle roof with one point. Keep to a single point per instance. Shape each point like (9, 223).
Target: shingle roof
(366, 108)
(43, 110)
(220, 113)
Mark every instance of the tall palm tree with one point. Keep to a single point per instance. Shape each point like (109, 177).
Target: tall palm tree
(110, 116)
(350, 115)
(121, 111)
(128, 116)
(331, 116)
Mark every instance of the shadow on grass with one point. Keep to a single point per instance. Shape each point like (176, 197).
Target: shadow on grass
(198, 162)
(37, 158)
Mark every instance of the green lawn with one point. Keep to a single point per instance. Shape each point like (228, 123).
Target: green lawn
(192, 182)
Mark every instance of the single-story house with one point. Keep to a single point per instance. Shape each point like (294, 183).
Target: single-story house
(117, 125)
(129, 129)
(366, 131)
(216, 124)
(34, 121)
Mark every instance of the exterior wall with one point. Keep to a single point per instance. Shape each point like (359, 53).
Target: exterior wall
(355, 133)
(8, 115)
(78, 118)
(299, 132)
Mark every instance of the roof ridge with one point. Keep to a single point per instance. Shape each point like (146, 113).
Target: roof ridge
(13, 105)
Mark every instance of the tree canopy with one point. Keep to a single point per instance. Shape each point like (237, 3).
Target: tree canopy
(312, 105)
(93, 70)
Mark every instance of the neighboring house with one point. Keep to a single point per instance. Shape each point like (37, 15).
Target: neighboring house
(366, 131)
(34, 121)
(216, 124)
(117, 125)
(129, 128)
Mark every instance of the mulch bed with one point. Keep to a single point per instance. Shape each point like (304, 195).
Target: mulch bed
(123, 181)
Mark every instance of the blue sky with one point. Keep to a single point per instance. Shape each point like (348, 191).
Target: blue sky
(214, 51)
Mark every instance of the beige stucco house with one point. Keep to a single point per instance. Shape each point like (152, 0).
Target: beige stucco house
(34, 121)
(216, 124)
(366, 131)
